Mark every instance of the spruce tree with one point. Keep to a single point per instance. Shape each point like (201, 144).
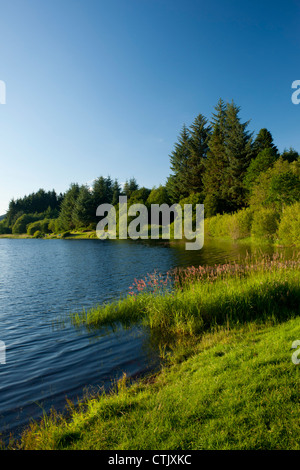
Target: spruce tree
(263, 140)
(66, 212)
(198, 146)
(178, 185)
(238, 151)
(216, 163)
(84, 211)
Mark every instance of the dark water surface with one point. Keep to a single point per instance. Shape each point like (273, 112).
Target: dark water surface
(44, 280)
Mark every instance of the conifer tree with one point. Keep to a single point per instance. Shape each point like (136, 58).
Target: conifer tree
(177, 184)
(84, 211)
(238, 151)
(216, 163)
(67, 206)
(263, 140)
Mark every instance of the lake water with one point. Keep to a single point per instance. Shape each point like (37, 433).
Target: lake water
(42, 281)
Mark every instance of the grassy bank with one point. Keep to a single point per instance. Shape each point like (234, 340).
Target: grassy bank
(227, 379)
(239, 390)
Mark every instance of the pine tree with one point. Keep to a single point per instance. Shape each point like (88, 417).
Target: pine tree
(84, 211)
(129, 187)
(238, 151)
(216, 163)
(178, 185)
(67, 206)
(264, 140)
(198, 146)
(116, 193)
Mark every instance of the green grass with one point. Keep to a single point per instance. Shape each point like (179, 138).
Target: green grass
(227, 380)
(239, 390)
(222, 295)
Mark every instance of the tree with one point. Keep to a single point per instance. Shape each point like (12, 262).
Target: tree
(84, 211)
(178, 186)
(102, 191)
(264, 140)
(129, 187)
(198, 147)
(264, 160)
(260, 191)
(284, 189)
(158, 196)
(290, 155)
(216, 163)
(238, 151)
(66, 221)
(116, 193)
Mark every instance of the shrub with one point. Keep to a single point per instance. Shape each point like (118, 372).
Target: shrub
(66, 234)
(38, 234)
(4, 229)
(42, 225)
(265, 223)
(289, 226)
(20, 226)
(240, 223)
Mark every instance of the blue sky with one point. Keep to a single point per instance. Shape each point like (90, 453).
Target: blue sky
(104, 87)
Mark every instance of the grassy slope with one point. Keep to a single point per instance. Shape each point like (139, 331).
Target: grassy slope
(239, 390)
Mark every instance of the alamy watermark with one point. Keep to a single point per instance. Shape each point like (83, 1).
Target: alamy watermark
(296, 354)
(2, 92)
(2, 353)
(296, 94)
(184, 224)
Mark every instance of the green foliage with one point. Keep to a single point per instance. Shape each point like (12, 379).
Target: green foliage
(139, 196)
(289, 226)
(41, 225)
(284, 189)
(40, 202)
(4, 228)
(263, 141)
(290, 155)
(20, 226)
(129, 187)
(265, 223)
(188, 160)
(240, 224)
(228, 157)
(67, 207)
(158, 196)
(65, 234)
(264, 160)
(260, 191)
(55, 225)
(84, 211)
(38, 234)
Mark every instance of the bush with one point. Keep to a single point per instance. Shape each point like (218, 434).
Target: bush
(289, 226)
(4, 229)
(239, 224)
(38, 234)
(66, 234)
(20, 226)
(265, 223)
(42, 225)
(218, 226)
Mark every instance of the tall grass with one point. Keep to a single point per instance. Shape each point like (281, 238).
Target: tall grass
(197, 299)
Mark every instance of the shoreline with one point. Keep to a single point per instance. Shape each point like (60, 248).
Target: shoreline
(91, 235)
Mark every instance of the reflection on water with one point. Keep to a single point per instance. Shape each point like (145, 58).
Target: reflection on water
(43, 280)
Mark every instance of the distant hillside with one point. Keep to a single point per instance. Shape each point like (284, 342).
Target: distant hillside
(2, 217)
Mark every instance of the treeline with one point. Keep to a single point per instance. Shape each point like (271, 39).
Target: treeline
(217, 162)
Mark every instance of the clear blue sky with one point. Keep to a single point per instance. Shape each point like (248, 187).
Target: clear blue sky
(103, 87)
